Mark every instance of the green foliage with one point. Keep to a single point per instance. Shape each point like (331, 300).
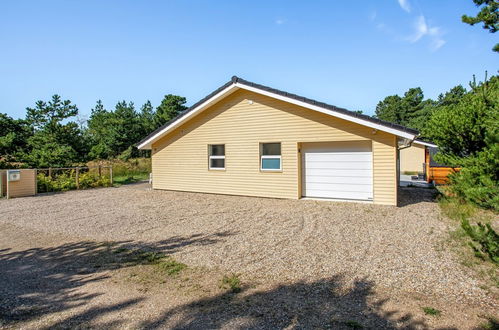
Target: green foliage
(431, 311)
(410, 110)
(147, 116)
(49, 137)
(488, 15)
(13, 136)
(492, 323)
(171, 266)
(92, 180)
(170, 107)
(61, 182)
(485, 241)
(460, 129)
(114, 132)
(477, 181)
(67, 181)
(467, 133)
(233, 282)
(55, 142)
(148, 257)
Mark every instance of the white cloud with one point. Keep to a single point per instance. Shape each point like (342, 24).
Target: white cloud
(422, 29)
(279, 21)
(405, 5)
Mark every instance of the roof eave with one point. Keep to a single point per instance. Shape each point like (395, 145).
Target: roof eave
(238, 83)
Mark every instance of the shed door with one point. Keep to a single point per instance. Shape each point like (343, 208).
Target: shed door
(341, 170)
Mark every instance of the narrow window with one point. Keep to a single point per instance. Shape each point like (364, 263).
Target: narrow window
(217, 156)
(270, 158)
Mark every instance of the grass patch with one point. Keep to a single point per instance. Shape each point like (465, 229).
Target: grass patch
(491, 324)
(474, 237)
(231, 282)
(149, 257)
(130, 178)
(171, 266)
(353, 324)
(431, 311)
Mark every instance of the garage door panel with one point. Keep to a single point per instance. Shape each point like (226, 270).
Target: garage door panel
(338, 165)
(339, 194)
(337, 170)
(336, 179)
(366, 173)
(338, 157)
(338, 187)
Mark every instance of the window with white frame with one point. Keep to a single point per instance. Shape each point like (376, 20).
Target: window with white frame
(270, 157)
(217, 157)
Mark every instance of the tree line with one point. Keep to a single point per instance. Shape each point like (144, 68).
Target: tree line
(464, 123)
(50, 136)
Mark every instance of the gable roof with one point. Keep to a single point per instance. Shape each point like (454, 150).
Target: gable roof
(237, 83)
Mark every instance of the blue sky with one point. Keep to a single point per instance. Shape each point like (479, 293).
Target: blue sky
(347, 53)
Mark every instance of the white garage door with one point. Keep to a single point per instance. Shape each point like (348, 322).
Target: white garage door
(341, 170)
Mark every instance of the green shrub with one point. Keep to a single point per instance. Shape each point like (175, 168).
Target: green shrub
(478, 181)
(233, 282)
(171, 266)
(92, 180)
(485, 241)
(61, 182)
(67, 181)
(431, 311)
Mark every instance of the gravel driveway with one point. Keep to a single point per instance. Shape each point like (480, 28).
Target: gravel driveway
(266, 240)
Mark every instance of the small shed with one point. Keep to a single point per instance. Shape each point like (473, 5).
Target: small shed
(17, 183)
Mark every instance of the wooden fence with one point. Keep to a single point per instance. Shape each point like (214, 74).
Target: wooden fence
(70, 175)
(440, 175)
(30, 182)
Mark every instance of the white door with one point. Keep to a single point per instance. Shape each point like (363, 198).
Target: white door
(341, 170)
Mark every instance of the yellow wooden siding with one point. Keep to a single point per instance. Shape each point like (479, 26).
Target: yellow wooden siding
(412, 159)
(24, 187)
(180, 159)
(385, 168)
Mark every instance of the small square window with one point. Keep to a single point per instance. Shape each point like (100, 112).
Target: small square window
(270, 158)
(216, 159)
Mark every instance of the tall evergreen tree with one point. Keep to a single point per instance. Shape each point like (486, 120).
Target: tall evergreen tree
(170, 107)
(55, 142)
(488, 15)
(13, 136)
(147, 116)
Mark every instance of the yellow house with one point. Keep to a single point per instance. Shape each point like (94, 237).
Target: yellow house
(414, 159)
(252, 140)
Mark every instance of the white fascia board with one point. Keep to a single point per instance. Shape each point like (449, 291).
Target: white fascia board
(354, 119)
(148, 143)
(427, 144)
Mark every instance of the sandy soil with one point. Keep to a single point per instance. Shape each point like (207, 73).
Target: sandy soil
(303, 264)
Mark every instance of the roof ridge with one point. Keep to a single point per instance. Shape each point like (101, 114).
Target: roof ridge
(237, 80)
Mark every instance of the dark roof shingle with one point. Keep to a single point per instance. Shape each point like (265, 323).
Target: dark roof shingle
(332, 108)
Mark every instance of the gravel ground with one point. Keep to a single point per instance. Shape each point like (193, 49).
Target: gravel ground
(267, 241)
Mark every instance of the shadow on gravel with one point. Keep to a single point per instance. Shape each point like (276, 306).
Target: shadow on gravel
(41, 281)
(318, 305)
(414, 195)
